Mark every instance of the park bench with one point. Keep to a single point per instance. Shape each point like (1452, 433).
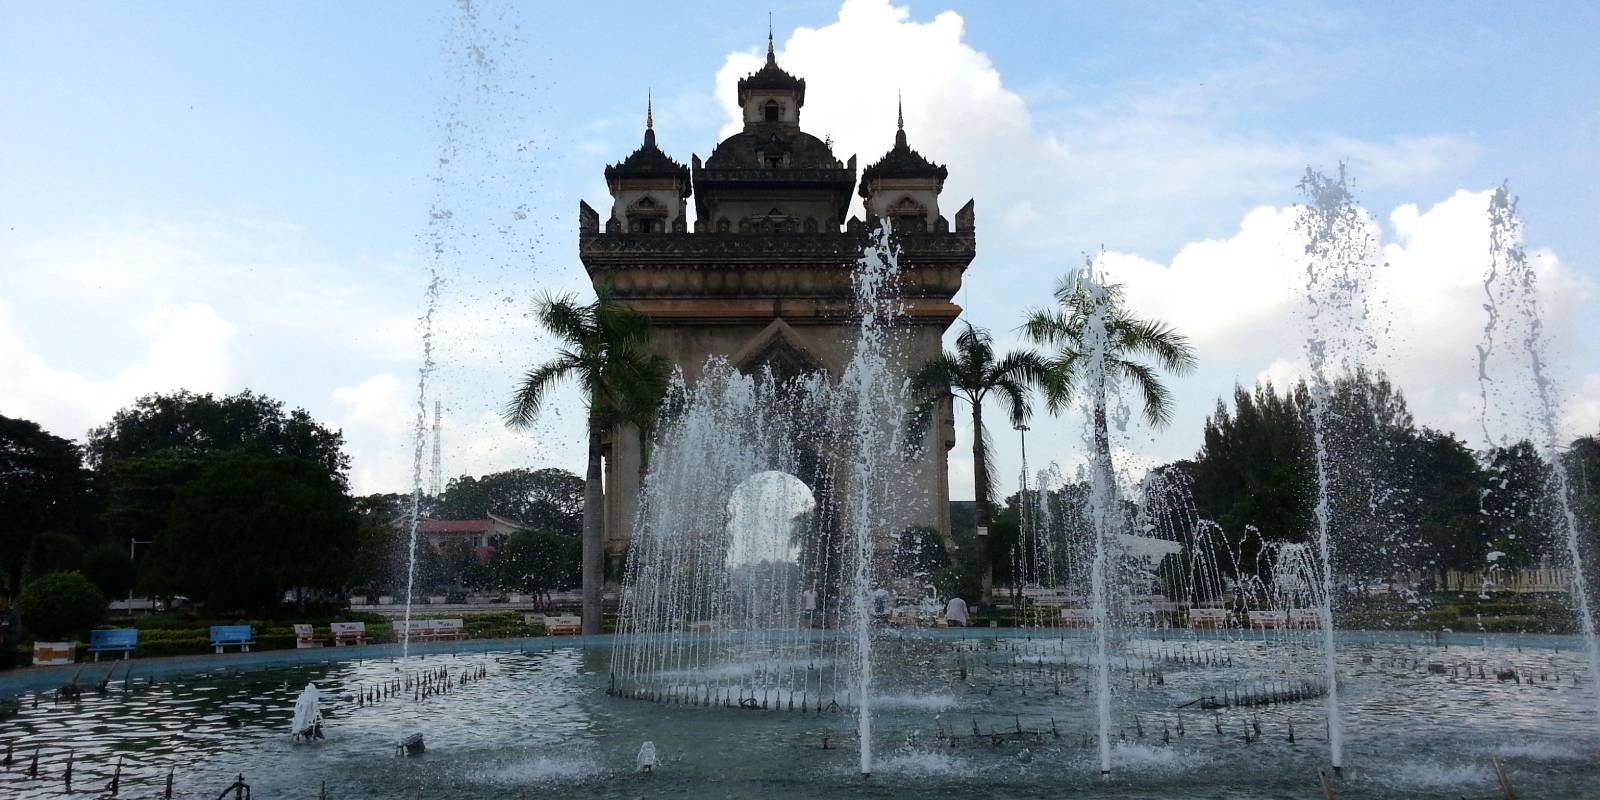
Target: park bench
(114, 640)
(566, 625)
(1208, 617)
(358, 599)
(423, 630)
(1308, 618)
(1268, 620)
(449, 629)
(231, 635)
(1077, 617)
(305, 636)
(436, 599)
(348, 633)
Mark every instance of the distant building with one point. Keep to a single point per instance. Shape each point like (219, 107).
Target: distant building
(479, 534)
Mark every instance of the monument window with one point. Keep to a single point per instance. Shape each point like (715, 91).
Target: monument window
(773, 111)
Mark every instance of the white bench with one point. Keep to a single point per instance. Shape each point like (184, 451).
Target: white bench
(424, 630)
(358, 599)
(1308, 618)
(1269, 620)
(305, 636)
(563, 625)
(1077, 617)
(348, 633)
(1208, 618)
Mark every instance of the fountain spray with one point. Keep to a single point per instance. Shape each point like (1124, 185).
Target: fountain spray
(1510, 288)
(874, 401)
(1102, 494)
(1340, 261)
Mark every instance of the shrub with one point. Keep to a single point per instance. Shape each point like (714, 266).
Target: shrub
(60, 605)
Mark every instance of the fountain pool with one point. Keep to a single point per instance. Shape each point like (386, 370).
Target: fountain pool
(540, 719)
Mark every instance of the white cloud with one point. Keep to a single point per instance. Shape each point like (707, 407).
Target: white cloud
(1137, 167)
(1582, 413)
(1151, 168)
(1239, 301)
(92, 320)
(188, 346)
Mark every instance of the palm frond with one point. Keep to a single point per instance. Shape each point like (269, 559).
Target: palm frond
(1157, 398)
(528, 399)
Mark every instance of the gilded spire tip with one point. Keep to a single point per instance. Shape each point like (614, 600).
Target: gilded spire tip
(649, 111)
(771, 56)
(899, 111)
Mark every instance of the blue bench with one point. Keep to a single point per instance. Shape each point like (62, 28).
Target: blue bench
(226, 635)
(114, 640)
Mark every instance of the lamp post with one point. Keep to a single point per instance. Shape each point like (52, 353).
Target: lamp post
(1023, 518)
(132, 543)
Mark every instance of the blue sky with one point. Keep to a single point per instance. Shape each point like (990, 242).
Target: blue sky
(223, 196)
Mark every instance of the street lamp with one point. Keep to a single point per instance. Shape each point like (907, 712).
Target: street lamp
(1024, 516)
(132, 543)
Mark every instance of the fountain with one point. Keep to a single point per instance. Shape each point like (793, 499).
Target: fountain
(1510, 288)
(764, 614)
(307, 722)
(1340, 260)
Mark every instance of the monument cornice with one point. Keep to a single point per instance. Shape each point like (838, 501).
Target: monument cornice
(809, 249)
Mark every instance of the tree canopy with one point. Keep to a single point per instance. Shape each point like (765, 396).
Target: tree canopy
(544, 499)
(43, 487)
(186, 423)
(250, 528)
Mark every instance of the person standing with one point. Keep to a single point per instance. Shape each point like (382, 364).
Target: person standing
(10, 632)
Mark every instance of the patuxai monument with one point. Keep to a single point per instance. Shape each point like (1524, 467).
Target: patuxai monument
(762, 275)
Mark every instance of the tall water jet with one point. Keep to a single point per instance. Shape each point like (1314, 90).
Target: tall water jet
(1104, 513)
(1510, 288)
(1340, 261)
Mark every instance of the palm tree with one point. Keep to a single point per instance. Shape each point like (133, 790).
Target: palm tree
(1133, 350)
(605, 347)
(972, 373)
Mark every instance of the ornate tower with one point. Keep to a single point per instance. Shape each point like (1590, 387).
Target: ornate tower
(763, 275)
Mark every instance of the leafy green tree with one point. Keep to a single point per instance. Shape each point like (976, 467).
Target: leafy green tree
(1515, 506)
(540, 562)
(198, 424)
(1135, 352)
(60, 605)
(605, 348)
(54, 552)
(252, 527)
(548, 499)
(381, 550)
(973, 373)
(1442, 528)
(151, 449)
(110, 568)
(43, 487)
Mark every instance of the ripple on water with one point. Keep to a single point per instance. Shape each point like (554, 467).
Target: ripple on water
(921, 764)
(1430, 775)
(1141, 758)
(543, 768)
(1536, 750)
(916, 702)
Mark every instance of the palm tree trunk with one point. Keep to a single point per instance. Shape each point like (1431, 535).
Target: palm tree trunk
(594, 532)
(980, 494)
